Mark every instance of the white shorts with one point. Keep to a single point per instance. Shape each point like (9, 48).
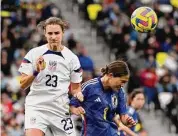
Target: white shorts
(49, 123)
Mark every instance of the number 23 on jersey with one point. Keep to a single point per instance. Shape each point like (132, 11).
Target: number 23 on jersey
(51, 80)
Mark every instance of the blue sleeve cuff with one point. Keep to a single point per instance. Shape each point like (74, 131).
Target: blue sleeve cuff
(74, 102)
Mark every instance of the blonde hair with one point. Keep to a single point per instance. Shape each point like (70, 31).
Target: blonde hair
(52, 21)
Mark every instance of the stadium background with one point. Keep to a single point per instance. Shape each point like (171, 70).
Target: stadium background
(99, 32)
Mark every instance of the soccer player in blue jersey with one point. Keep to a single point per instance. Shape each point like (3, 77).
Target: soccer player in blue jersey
(104, 98)
(136, 101)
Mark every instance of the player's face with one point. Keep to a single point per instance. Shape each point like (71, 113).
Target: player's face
(54, 35)
(117, 82)
(138, 101)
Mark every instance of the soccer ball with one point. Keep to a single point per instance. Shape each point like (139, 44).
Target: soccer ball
(144, 19)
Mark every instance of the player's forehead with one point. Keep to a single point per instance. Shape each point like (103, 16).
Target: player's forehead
(123, 78)
(139, 96)
(53, 28)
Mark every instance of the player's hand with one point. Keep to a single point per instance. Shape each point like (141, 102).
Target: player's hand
(79, 96)
(40, 64)
(77, 110)
(130, 122)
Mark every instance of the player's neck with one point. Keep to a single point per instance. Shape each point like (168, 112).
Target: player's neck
(55, 48)
(105, 84)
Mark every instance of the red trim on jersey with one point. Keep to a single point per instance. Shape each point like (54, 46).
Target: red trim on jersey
(70, 88)
(85, 126)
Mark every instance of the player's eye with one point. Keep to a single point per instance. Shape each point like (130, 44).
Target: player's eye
(50, 33)
(56, 33)
(124, 82)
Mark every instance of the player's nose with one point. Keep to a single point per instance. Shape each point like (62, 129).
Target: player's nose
(53, 36)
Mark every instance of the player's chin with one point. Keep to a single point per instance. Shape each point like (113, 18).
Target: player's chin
(116, 89)
(55, 44)
(139, 107)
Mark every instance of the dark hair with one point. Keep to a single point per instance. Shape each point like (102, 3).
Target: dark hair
(117, 68)
(53, 20)
(133, 94)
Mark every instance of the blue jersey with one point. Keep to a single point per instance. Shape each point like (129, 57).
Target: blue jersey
(100, 106)
(132, 113)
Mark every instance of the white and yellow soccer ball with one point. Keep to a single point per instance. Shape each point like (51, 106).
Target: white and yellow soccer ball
(144, 19)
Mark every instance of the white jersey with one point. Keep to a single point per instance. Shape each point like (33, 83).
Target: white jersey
(49, 90)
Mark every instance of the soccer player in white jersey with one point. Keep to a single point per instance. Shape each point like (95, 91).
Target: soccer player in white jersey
(50, 69)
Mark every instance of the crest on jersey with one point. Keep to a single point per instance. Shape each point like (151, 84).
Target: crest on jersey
(52, 65)
(114, 101)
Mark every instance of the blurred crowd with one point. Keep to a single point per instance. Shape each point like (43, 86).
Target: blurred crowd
(18, 35)
(152, 57)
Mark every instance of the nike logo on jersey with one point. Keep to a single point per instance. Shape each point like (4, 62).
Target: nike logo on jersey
(78, 70)
(97, 100)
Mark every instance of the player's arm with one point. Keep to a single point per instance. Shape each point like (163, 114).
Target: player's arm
(74, 104)
(127, 120)
(26, 80)
(76, 78)
(76, 91)
(122, 110)
(122, 127)
(77, 110)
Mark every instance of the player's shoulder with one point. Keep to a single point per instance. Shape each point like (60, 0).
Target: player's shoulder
(67, 53)
(130, 110)
(39, 49)
(90, 84)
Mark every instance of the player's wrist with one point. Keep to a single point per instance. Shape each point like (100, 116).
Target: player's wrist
(35, 73)
(79, 96)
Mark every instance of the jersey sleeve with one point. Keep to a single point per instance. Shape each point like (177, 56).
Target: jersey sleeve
(75, 102)
(76, 70)
(26, 66)
(122, 108)
(132, 113)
